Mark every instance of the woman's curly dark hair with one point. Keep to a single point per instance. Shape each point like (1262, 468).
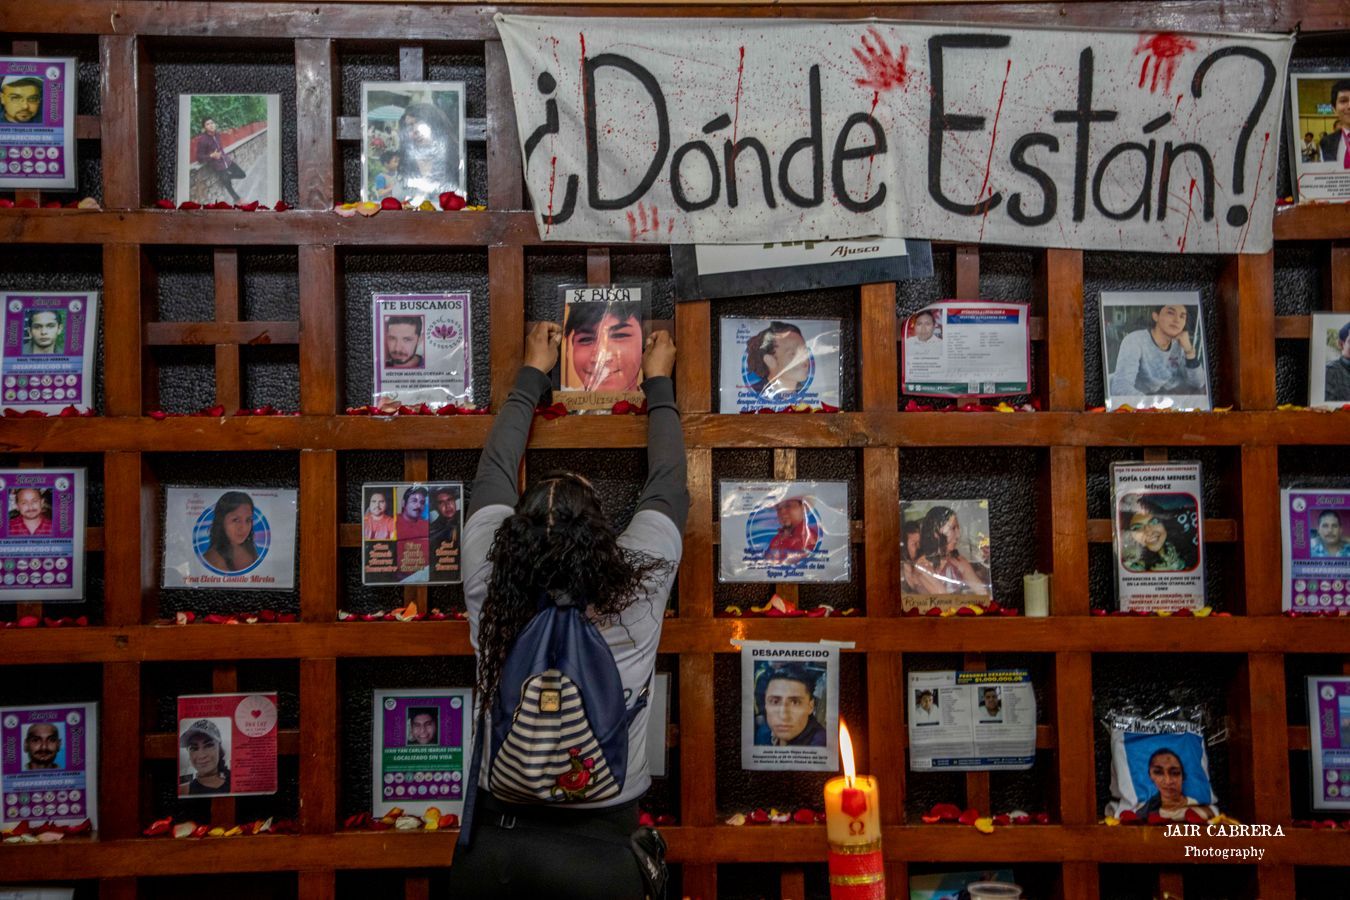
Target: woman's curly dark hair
(558, 539)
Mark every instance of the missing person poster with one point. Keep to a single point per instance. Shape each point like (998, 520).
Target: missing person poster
(1316, 526)
(1329, 740)
(410, 533)
(971, 721)
(49, 764)
(1153, 350)
(1319, 125)
(658, 725)
(47, 352)
(229, 148)
(42, 538)
(1158, 529)
(784, 531)
(967, 348)
(422, 350)
(944, 554)
(603, 339)
(412, 140)
(37, 128)
(420, 750)
(239, 538)
(1329, 359)
(227, 745)
(1159, 766)
(710, 271)
(778, 363)
(789, 707)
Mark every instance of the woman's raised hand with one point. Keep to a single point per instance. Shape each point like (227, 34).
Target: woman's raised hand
(541, 346)
(658, 356)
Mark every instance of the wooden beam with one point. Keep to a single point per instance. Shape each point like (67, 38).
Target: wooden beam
(229, 375)
(319, 288)
(316, 139)
(506, 294)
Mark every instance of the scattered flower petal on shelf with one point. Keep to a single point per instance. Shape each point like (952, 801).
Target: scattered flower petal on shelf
(758, 817)
(804, 816)
(452, 202)
(984, 825)
(738, 819)
(184, 829)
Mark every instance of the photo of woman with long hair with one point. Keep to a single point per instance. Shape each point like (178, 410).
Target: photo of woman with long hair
(1151, 538)
(207, 756)
(231, 547)
(939, 566)
(428, 153)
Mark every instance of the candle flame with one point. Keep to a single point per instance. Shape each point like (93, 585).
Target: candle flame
(846, 753)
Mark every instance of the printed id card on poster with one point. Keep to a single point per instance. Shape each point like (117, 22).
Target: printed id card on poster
(49, 764)
(1329, 740)
(422, 350)
(37, 122)
(967, 348)
(410, 533)
(1316, 526)
(47, 352)
(1158, 529)
(784, 531)
(778, 363)
(971, 721)
(238, 538)
(1319, 118)
(789, 707)
(604, 334)
(227, 745)
(42, 536)
(420, 750)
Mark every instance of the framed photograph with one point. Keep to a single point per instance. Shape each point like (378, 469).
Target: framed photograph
(42, 536)
(48, 349)
(967, 348)
(240, 538)
(229, 148)
(1329, 740)
(422, 351)
(412, 140)
(1319, 131)
(789, 707)
(604, 333)
(1153, 350)
(49, 764)
(1329, 360)
(1316, 532)
(709, 271)
(945, 551)
(1158, 529)
(37, 123)
(227, 745)
(410, 533)
(420, 750)
(778, 363)
(785, 531)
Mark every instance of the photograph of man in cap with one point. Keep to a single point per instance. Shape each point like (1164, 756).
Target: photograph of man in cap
(208, 771)
(21, 99)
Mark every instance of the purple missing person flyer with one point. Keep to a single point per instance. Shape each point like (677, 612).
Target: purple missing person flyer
(49, 764)
(42, 535)
(419, 752)
(47, 350)
(1316, 525)
(1329, 740)
(37, 122)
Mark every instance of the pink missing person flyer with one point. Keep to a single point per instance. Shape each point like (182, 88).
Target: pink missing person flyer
(47, 350)
(49, 764)
(37, 122)
(227, 745)
(1316, 526)
(41, 535)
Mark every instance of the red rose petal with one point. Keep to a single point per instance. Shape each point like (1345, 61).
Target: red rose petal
(390, 203)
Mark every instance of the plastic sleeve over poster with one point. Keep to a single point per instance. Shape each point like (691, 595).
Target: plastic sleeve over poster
(419, 750)
(42, 535)
(227, 745)
(604, 333)
(37, 122)
(785, 531)
(410, 533)
(49, 764)
(1316, 531)
(1158, 527)
(422, 351)
(945, 554)
(789, 707)
(232, 538)
(1317, 153)
(1329, 740)
(47, 350)
(967, 348)
(778, 363)
(971, 721)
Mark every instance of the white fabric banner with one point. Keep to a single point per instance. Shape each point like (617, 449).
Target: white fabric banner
(746, 131)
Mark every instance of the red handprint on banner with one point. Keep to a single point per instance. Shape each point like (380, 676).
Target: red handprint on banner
(885, 69)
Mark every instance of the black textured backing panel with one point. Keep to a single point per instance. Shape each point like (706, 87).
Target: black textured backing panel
(651, 266)
(411, 272)
(1009, 478)
(63, 683)
(67, 267)
(1103, 271)
(545, 269)
(840, 464)
(1312, 466)
(743, 791)
(254, 469)
(1149, 681)
(204, 67)
(1298, 292)
(831, 303)
(912, 296)
(1318, 882)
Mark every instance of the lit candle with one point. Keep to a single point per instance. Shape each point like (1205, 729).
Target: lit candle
(1036, 594)
(853, 828)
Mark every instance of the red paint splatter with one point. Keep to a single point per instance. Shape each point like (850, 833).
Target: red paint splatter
(1176, 106)
(736, 119)
(1261, 163)
(884, 69)
(1163, 50)
(1190, 210)
(989, 160)
(645, 223)
(552, 183)
(581, 83)
(871, 157)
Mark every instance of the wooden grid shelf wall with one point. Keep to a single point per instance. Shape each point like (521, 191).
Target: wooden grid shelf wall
(124, 646)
